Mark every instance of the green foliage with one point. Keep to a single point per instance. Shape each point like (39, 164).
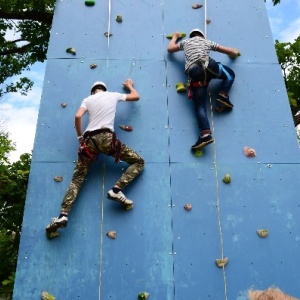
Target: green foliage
(24, 36)
(289, 58)
(13, 186)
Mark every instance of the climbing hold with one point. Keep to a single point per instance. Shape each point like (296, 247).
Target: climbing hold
(58, 179)
(112, 234)
(195, 6)
(219, 109)
(227, 178)
(89, 2)
(93, 66)
(46, 296)
(208, 21)
(234, 55)
(198, 152)
(126, 127)
(71, 50)
(180, 87)
(249, 152)
(221, 263)
(107, 34)
(63, 104)
(262, 232)
(119, 18)
(188, 206)
(143, 296)
(52, 235)
(181, 35)
(129, 206)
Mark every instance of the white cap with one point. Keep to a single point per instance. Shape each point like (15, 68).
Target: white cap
(99, 83)
(197, 30)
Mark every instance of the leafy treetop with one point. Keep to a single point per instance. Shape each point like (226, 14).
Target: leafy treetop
(24, 35)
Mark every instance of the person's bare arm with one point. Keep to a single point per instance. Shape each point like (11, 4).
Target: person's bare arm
(133, 94)
(232, 52)
(173, 47)
(78, 122)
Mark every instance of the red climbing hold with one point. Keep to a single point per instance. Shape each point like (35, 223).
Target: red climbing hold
(126, 127)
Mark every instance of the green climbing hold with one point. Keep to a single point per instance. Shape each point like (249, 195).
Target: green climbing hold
(198, 152)
(71, 50)
(143, 296)
(119, 18)
(234, 55)
(180, 87)
(227, 178)
(89, 2)
(181, 35)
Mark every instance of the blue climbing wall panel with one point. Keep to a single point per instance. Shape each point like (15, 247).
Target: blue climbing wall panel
(160, 247)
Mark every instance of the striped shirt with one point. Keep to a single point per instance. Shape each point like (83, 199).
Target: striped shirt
(196, 49)
(102, 109)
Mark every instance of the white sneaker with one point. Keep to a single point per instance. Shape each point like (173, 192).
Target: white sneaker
(57, 223)
(120, 197)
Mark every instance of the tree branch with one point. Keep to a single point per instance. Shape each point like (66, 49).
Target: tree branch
(16, 50)
(44, 17)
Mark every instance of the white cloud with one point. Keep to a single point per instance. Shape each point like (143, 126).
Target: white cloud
(290, 32)
(19, 116)
(21, 125)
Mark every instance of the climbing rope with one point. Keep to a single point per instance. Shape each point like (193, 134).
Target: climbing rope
(218, 196)
(108, 30)
(101, 231)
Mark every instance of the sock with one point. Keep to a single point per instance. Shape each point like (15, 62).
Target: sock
(116, 190)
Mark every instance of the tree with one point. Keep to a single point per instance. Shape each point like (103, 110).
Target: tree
(24, 36)
(13, 186)
(289, 58)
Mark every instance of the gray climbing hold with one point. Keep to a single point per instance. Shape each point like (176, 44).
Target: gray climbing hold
(112, 234)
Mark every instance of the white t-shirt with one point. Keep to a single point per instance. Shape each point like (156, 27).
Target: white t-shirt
(102, 109)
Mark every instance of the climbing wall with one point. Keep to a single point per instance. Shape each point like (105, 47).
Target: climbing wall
(161, 248)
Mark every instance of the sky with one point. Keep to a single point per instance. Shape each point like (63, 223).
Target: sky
(18, 114)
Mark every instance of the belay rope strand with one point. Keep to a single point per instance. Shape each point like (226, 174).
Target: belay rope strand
(216, 169)
(101, 231)
(218, 197)
(108, 30)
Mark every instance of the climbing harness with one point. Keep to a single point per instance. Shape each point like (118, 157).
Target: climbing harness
(115, 143)
(85, 152)
(193, 84)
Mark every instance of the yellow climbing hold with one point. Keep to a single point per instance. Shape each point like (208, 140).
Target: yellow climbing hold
(181, 35)
(262, 232)
(198, 152)
(227, 178)
(47, 296)
(89, 2)
(180, 87)
(221, 263)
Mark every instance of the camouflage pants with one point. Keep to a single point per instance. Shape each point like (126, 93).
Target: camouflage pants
(102, 143)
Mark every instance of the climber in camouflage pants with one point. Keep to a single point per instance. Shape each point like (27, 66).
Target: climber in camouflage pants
(99, 137)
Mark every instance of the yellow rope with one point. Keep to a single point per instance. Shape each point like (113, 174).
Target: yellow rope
(217, 195)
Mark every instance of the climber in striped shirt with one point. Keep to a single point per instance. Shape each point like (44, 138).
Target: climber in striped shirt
(200, 69)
